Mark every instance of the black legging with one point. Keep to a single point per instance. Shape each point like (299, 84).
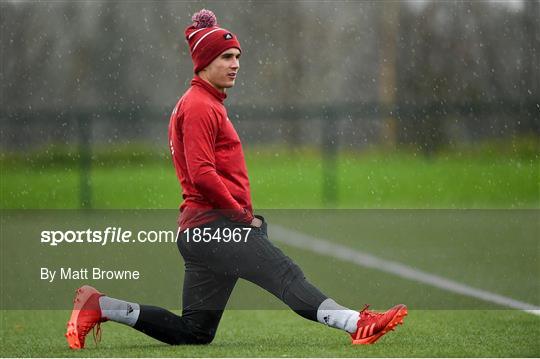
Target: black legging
(211, 272)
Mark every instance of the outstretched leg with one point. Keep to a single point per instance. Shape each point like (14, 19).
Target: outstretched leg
(267, 266)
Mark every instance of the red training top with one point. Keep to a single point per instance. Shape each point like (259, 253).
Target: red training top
(208, 158)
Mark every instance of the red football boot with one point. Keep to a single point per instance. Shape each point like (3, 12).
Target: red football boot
(86, 314)
(373, 325)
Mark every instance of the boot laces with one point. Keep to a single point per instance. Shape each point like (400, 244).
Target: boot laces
(96, 332)
(368, 314)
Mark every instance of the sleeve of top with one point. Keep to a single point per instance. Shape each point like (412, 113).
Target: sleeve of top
(200, 129)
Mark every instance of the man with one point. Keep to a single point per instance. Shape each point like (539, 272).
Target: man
(209, 162)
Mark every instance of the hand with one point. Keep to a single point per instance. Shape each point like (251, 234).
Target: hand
(256, 222)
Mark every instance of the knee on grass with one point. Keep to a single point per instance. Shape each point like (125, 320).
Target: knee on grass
(196, 338)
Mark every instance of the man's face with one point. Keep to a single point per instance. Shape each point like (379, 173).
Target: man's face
(221, 73)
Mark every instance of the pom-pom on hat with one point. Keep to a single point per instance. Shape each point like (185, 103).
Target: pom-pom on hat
(207, 40)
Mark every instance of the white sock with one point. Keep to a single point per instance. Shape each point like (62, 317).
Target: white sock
(119, 311)
(337, 316)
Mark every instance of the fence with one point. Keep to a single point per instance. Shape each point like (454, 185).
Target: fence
(330, 127)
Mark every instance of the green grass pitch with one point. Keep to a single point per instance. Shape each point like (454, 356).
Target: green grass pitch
(277, 333)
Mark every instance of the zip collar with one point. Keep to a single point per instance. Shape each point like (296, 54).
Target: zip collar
(197, 81)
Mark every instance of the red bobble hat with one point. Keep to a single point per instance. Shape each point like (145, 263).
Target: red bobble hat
(207, 40)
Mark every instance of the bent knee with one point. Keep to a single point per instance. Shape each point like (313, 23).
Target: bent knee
(199, 339)
(193, 339)
(204, 340)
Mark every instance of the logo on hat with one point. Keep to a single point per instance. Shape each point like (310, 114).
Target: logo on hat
(228, 36)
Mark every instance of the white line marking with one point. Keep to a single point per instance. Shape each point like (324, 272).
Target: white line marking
(324, 247)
